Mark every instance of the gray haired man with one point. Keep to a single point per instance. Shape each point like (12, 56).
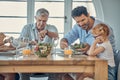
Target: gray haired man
(39, 31)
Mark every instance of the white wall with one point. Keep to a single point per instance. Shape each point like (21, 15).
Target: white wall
(111, 15)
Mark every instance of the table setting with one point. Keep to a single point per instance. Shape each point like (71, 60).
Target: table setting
(23, 47)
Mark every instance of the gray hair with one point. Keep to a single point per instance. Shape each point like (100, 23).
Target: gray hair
(42, 12)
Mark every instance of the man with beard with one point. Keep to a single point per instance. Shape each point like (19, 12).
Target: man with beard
(82, 31)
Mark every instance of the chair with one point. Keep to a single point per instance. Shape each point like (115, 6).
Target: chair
(16, 76)
(1, 77)
(117, 63)
(118, 73)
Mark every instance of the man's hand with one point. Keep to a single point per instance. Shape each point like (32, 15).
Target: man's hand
(33, 42)
(42, 34)
(63, 43)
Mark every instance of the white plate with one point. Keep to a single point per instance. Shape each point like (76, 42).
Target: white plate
(8, 52)
(78, 53)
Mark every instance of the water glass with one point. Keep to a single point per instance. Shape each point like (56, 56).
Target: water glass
(55, 43)
(15, 43)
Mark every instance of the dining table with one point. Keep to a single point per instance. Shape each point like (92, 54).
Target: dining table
(55, 63)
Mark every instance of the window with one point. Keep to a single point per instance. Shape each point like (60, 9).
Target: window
(16, 13)
(13, 16)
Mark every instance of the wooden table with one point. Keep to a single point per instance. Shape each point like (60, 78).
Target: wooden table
(56, 64)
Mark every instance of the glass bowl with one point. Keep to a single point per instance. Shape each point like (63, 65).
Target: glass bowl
(43, 49)
(77, 46)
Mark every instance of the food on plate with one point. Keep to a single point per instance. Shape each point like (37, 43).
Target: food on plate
(78, 46)
(3, 47)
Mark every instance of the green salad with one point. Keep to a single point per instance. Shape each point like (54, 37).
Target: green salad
(43, 49)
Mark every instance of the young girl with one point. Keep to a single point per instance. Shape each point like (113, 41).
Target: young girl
(102, 48)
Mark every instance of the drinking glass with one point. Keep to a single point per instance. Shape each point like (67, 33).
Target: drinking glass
(26, 51)
(25, 40)
(55, 43)
(15, 43)
(68, 52)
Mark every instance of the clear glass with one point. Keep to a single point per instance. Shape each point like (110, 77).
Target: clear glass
(25, 41)
(26, 50)
(68, 52)
(55, 43)
(15, 42)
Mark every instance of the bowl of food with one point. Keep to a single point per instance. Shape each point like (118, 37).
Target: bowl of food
(43, 49)
(77, 48)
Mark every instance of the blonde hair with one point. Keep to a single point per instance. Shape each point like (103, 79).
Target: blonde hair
(100, 29)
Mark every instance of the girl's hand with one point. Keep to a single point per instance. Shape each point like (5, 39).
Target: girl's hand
(97, 40)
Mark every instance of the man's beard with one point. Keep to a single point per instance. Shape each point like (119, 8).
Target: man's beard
(85, 27)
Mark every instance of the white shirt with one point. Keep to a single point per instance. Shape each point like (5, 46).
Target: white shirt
(107, 54)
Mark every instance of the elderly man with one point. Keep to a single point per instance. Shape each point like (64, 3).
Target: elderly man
(39, 32)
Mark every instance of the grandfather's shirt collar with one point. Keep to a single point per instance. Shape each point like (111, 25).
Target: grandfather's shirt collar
(35, 32)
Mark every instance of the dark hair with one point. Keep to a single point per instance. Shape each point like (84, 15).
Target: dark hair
(78, 11)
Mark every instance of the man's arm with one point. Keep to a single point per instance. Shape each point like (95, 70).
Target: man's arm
(43, 33)
(52, 34)
(94, 50)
